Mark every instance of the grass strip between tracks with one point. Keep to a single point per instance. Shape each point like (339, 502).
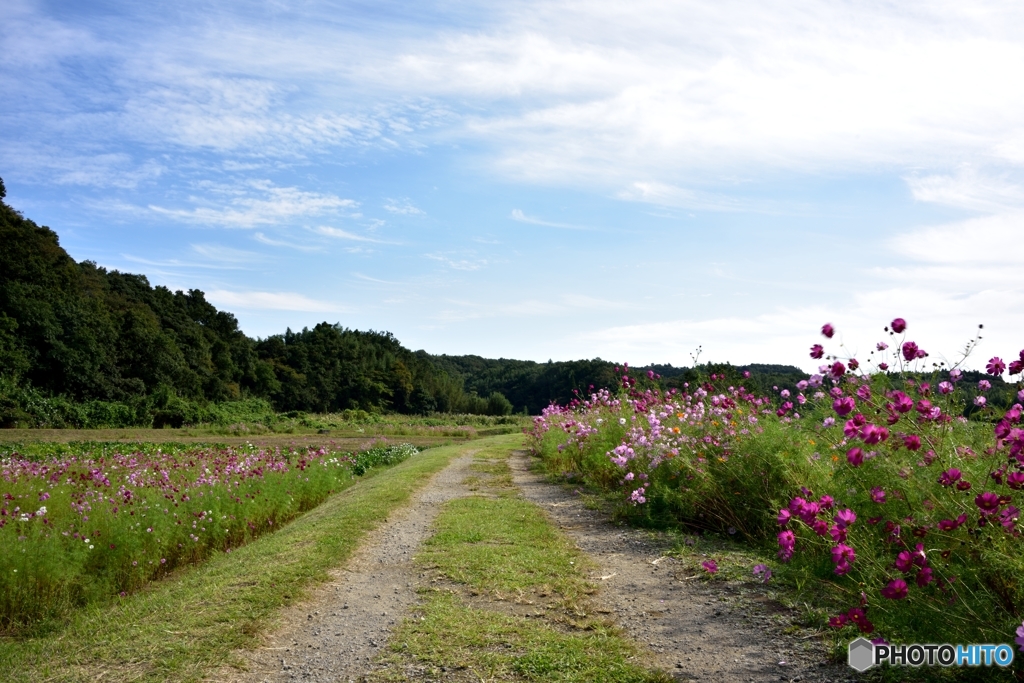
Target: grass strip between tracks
(181, 627)
(508, 599)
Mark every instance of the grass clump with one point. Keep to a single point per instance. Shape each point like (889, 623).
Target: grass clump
(509, 599)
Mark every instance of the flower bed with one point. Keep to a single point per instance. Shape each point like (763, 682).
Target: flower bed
(81, 528)
(868, 479)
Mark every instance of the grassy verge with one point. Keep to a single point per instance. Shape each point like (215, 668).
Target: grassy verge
(182, 626)
(509, 599)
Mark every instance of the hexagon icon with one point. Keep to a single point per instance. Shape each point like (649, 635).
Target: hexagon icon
(861, 654)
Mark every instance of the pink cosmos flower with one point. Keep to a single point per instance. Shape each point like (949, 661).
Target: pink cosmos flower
(1020, 637)
(980, 401)
(845, 518)
(817, 351)
(1008, 517)
(784, 517)
(710, 566)
(853, 363)
(898, 325)
(950, 476)
(1015, 480)
(761, 571)
(828, 330)
(902, 403)
(837, 369)
(945, 387)
(855, 457)
(44, 496)
(881, 346)
(1016, 367)
(904, 562)
(843, 553)
(910, 350)
(826, 502)
(987, 502)
(951, 524)
(995, 366)
(787, 542)
(896, 590)
(984, 385)
(878, 495)
(883, 366)
(912, 442)
(963, 486)
(873, 434)
(844, 406)
(924, 577)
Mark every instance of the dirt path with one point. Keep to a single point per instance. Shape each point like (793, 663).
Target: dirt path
(338, 632)
(692, 630)
(695, 631)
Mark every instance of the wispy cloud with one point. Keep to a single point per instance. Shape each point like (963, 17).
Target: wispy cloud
(263, 239)
(281, 301)
(402, 207)
(457, 263)
(272, 205)
(177, 263)
(518, 215)
(338, 233)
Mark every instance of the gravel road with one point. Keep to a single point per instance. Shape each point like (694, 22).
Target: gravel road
(693, 630)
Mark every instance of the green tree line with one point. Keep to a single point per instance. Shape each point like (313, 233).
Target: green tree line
(81, 345)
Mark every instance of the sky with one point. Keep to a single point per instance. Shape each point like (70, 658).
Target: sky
(540, 180)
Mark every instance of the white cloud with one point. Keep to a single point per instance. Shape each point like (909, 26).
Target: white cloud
(403, 207)
(281, 301)
(338, 233)
(273, 205)
(987, 242)
(458, 264)
(970, 189)
(260, 237)
(518, 215)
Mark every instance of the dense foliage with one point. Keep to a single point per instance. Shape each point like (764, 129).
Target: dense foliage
(891, 483)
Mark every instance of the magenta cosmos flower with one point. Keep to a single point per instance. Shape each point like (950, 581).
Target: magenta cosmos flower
(845, 518)
(844, 406)
(1016, 366)
(710, 566)
(878, 495)
(912, 442)
(896, 590)
(995, 366)
(855, 456)
(898, 325)
(787, 542)
(987, 502)
(910, 350)
(817, 351)
(828, 330)
(950, 476)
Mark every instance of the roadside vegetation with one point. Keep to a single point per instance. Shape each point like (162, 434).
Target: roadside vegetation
(191, 620)
(884, 490)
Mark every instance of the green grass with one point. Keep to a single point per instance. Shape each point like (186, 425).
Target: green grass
(183, 626)
(510, 598)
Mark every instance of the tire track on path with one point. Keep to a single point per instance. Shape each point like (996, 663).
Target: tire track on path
(694, 631)
(337, 633)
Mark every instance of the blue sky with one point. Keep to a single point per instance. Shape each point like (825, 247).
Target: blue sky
(539, 179)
